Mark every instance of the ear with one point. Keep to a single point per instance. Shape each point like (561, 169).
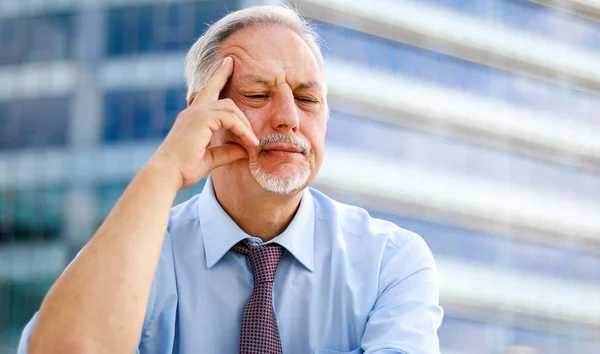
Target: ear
(191, 99)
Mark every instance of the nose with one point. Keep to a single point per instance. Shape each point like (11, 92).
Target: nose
(285, 117)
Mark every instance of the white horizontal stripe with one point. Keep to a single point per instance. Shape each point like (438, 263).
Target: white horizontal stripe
(498, 288)
(147, 73)
(80, 165)
(464, 36)
(504, 204)
(594, 4)
(585, 8)
(32, 7)
(480, 118)
(37, 80)
(590, 3)
(499, 204)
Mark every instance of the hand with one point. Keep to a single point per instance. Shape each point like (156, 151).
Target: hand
(186, 152)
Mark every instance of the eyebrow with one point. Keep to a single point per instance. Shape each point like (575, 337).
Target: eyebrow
(308, 85)
(265, 82)
(255, 79)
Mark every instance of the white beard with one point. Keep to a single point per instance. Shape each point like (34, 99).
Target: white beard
(277, 184)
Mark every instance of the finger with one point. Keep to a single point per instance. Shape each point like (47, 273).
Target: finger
(226, 154)
(230, 121)
(210, 92)
(227, 105)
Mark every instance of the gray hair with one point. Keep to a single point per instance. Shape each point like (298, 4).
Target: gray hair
(203, 58)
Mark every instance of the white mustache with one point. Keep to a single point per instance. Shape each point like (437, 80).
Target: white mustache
(294, 140)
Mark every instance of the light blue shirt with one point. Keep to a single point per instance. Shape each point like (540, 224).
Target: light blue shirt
(348, 283)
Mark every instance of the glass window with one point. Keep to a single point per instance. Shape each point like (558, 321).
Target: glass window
(36, 38)
(441, 153)
(31, 214)
(39, 122)
(188, 193)
(154, 28)
(139, 115)
(534, 18)
(26, 298)
(439, 69)
(18, 302)
(109, 193)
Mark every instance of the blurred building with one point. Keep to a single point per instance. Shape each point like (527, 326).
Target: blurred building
(474, 123)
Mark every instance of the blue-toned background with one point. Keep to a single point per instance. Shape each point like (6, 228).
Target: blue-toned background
(484, 114)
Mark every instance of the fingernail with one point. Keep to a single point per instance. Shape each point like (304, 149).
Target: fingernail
(225, 60)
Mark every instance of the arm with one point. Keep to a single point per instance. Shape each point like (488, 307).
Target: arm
(98, 304)
(111, 275)
(407, 315)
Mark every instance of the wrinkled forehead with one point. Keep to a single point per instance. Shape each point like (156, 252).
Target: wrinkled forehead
(274, 53)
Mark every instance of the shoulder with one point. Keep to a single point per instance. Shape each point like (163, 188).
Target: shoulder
(357, 222)
(379, 246)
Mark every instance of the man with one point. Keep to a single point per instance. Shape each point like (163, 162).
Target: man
(258, 262)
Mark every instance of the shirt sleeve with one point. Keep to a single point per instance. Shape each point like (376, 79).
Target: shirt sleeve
(406, 315)
(25, 335)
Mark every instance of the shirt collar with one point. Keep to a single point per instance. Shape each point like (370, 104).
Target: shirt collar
(220, 232)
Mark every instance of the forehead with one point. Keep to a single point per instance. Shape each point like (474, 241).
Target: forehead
(273, 52)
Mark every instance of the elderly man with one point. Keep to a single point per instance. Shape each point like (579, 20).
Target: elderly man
(258, 262)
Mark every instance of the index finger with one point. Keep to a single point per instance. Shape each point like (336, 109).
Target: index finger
(211, 91)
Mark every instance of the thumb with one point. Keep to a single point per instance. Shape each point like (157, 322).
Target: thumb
(226, 154)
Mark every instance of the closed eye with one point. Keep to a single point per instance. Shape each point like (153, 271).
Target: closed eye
(256, 97)
(305, 99)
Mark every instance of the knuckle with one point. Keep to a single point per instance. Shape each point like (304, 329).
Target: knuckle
(229, 104)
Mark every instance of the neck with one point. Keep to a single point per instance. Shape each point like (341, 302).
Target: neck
(258, 212)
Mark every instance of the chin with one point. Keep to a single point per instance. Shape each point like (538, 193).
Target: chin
(282, 181)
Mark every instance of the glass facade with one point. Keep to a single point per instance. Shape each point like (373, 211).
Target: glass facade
(139, 115)
(19, 299)
(436, 68)
(20, 122)
(441, 153)
(38, 38)
(35, 214)
(31, 214)
(152, 28)
(107, 194)
(531, 18)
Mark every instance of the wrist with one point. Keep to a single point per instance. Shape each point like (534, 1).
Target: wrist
(165, 173)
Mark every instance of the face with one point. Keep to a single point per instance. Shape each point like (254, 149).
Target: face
(278, 85)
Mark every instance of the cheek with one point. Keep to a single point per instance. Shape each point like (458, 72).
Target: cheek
(316, 138)
(257, 118)
(316, 132)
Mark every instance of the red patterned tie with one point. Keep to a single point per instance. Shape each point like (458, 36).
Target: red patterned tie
(259, 333)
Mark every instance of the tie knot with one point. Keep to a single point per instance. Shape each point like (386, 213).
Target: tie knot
(263, 259)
